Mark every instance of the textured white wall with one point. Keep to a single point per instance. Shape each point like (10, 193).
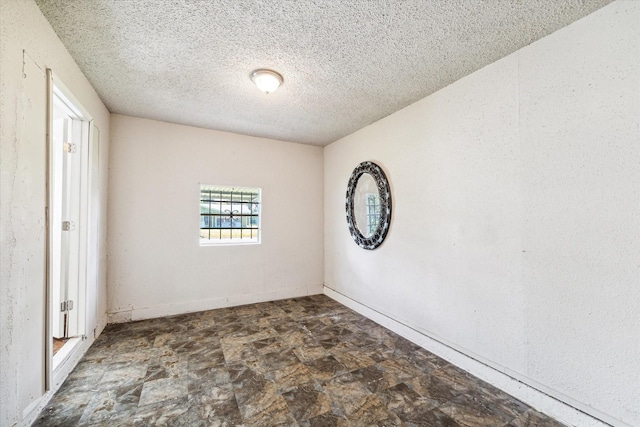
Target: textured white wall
(516, 215)
(156, 266)
(26, 36)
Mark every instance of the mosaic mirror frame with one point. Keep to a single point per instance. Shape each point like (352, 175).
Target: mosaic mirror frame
(384, 192)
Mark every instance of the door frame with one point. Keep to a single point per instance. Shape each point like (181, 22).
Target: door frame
(56, 88)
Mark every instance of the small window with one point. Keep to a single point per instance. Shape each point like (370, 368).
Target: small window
(373, 213)
(229, 215)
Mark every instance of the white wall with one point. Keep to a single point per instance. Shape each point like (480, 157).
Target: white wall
(516, 215)
(28, 45)
(156, 266)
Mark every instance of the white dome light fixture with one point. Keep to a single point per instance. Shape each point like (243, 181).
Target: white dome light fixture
(266, 80)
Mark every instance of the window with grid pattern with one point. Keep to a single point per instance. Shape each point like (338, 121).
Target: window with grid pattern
(373, 213)
(229, 215)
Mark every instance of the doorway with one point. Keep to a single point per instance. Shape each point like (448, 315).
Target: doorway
(69, 195)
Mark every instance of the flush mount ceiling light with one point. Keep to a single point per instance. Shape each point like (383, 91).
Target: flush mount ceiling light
(266, 80)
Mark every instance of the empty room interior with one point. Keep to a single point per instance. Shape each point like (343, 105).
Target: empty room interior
(416, 213)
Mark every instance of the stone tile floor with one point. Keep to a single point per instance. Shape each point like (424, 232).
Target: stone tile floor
(299, 362)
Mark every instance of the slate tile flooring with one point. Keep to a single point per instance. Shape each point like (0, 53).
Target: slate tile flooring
(298, 362)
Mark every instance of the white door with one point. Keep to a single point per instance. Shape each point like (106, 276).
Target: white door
(68, 210)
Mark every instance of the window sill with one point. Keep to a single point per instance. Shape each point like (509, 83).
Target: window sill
(234, 243)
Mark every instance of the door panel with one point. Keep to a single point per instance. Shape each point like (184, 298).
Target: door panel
(68, 205)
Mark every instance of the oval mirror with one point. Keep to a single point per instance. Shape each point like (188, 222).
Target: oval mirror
(368, 205)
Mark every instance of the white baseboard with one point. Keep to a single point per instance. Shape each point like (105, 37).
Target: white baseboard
(32, 411)
(553, 404)
(139, 313)
(67, 365)
(121, 315)
(102, 323)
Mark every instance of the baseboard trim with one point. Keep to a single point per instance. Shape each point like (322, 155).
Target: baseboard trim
(102, 323)
(520, 388)
(32, 411)
(140, 313)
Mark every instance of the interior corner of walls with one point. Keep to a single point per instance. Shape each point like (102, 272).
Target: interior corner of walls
(315, 289)
(102, 323)
(122, 315)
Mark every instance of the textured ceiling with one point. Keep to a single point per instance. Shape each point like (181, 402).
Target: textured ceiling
(345, 64)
